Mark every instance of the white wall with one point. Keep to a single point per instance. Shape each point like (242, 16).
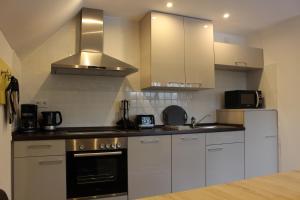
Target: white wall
(280, 81)
(229, 38)
(94, 101)
(9, 56)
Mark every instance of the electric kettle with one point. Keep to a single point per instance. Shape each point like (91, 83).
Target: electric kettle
(50, 120)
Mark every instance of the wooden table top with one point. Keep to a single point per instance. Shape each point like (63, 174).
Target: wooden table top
(283, 186)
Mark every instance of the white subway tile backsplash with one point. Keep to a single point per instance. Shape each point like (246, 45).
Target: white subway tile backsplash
(84, 105)
(161, 95)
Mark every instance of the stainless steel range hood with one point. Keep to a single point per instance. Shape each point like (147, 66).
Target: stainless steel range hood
(91, 60)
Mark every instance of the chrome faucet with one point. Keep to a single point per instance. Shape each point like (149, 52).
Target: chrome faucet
(194, 123)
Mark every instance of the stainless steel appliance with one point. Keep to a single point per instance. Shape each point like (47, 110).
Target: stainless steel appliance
(145, 121)
(96, 168)
(238, 99)
(28, 117)
(50, 120)
(91, 60)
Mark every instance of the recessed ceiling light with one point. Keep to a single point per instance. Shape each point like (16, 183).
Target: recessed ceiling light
(154, 17)
(169, 5)
(205, 26)
(226, 15)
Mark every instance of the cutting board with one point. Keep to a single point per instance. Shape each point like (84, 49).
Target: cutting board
(174, 115)
(3, 80)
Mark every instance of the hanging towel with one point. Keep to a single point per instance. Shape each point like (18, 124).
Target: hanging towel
(3, 85)
(12, 99)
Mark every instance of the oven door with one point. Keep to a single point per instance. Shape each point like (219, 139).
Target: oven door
(96, 173)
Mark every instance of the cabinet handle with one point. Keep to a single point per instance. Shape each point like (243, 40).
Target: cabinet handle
(216, 149)
(83, 155)
(239, 63)
(175, 84)
(51, 162)
(156, 84)
(149, 141)
(41, 146)
(270, 136)
(188, 139)
(193, 85)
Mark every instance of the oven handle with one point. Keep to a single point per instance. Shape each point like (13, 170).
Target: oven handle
(81, 155)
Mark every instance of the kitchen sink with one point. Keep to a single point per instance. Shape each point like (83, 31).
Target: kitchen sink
(197, 127)
(214, 126)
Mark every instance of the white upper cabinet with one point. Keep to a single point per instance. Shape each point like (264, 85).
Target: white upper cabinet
(199, 53)
(231, 56)
(176, 52)
(167, 49)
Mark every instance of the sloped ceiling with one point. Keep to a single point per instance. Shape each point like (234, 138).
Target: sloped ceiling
(27, 23)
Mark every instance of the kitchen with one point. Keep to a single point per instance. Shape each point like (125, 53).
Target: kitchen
(91, 101)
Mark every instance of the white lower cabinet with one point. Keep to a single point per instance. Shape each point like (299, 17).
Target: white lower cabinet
(39, 170)
(261, 143)
(188, 161)
(40, 178)
(224, 163)
(149, 166)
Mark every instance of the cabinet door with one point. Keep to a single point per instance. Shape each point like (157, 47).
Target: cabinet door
(238, 56)
(149, 166)
(37, 178)
(261, 153)
(199, 53)
(188, 161)
(167, 49)
(224, 163)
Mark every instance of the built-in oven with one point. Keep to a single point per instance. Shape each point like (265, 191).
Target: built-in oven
(96, 168)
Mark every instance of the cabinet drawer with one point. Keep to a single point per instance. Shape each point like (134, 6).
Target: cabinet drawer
(40, 178)
(39, 148)
(224, 163)
(224, 137)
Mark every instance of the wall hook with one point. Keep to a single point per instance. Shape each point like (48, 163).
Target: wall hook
(4, 72)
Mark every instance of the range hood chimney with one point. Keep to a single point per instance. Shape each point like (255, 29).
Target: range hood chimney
(91, 60)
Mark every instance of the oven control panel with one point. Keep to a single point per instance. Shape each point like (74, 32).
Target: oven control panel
(111, 146)
(96, 144)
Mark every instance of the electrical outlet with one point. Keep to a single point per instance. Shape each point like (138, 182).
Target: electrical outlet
(42, 103)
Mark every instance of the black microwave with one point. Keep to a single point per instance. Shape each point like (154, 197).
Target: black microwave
(238, 99)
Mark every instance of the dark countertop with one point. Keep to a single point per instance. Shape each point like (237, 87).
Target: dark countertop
(105, 132)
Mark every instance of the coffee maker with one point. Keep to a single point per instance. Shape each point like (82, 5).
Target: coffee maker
(29, 117)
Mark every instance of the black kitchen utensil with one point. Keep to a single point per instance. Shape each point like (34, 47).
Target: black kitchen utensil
(125, 123)
(174, 115)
